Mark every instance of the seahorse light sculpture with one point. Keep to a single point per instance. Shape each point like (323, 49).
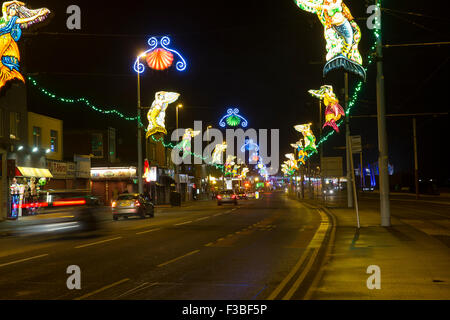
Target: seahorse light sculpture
(157, 114)
(334, 110)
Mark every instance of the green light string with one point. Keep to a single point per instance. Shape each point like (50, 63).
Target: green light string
(177, 146)
(78, 100)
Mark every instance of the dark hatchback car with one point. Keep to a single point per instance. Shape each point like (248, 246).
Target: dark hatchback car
(132, 204)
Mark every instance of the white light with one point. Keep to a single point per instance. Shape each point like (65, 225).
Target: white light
(20, 148)
(35, 149)
(47, 151)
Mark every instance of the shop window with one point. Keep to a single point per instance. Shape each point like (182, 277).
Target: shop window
(14, 125)
(97, 145)
(37, 136)
(54, 140)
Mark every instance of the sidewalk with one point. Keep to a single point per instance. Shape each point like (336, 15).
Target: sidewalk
(414, 265)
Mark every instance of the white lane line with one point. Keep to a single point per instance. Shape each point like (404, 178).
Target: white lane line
(98, 242)
(204, 218)
(176, 259)
(151, 230)
(102, 289)
(218, 214)
(180, 224)
(23, 260)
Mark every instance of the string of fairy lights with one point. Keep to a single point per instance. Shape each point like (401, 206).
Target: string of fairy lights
(82, 100)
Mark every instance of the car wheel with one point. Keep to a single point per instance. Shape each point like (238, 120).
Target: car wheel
(115, 218)
(219, 204)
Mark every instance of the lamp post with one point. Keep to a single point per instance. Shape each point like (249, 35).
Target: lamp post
(139, 133)
(178, 107)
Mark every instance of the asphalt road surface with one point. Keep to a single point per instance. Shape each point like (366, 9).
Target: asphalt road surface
(260, 249)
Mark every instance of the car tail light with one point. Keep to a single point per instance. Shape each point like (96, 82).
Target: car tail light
(219, 197)
(114, 204)
(137, 204)
(233, 196)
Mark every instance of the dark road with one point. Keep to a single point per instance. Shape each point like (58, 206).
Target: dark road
(260, 249)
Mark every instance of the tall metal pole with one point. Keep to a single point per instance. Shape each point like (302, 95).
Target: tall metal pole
(347, 139)
(416, 163)
(382, 135)
(321, 151)
(139, 137)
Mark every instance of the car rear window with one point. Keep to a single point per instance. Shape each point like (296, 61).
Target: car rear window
(227, 192)
(127, 197)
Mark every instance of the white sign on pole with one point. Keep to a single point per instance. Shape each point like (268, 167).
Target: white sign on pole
(331, 167)
(356, 144)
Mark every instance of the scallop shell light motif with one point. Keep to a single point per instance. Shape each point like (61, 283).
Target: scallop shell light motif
(160, 59)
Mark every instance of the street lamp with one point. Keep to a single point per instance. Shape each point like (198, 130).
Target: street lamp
(139, 133)
(178, 107)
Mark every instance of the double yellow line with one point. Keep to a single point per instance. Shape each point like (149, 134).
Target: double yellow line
(311, 252)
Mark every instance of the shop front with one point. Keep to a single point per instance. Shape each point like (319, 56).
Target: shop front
(25, 191)
(108, 182)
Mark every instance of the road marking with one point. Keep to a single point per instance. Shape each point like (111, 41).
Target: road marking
(314, 245)
(102, 289)
(23, 260)
(209, 244)
(204, 218)
(98, 242)
(180, 224)
(218, 214)
(220, 239)
(176, 259)
(151, 230)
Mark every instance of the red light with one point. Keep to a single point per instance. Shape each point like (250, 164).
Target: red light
(63, 203)
(233, 196)
(137, 204)
(114, 204)
(219, 197)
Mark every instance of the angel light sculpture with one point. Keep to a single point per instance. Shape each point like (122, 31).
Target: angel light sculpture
(185, 143)
(15, 18)
(310, 139)
(157, 114)
(342, 35)
(300, 151)
(217, 153)
(334, 110)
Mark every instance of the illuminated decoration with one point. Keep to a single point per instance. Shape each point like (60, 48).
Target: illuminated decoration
(159, 59)
(291, 162)
(229, 163)
(342, 35)
(185, 143)
(150, 173)
(217, 153)
(334, 110)
(157, 114)
(119, 172)
(310, 139)
(301, 154)
(159, 56)
(233, 119)
(15, 18)
(243, 174)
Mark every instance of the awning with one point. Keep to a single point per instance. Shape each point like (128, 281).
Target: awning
(34, 172)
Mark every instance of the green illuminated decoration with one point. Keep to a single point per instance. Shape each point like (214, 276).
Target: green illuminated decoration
(233, 121)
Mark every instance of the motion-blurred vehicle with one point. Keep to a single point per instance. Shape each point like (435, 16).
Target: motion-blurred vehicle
(242, 195)
(329, 191)
(132, 204)
(227, 196)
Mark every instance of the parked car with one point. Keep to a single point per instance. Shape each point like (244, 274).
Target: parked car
(132, 204)
(227, 196)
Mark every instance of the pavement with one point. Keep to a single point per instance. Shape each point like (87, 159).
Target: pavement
(260, 249)
(413, 254)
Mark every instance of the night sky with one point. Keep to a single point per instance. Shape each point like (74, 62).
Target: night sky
(260, 56)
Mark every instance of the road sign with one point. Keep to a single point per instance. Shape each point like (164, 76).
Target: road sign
(331, 167)
(356, 144)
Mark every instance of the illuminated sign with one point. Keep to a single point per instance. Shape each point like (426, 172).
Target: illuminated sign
(107, 173)
(233, 119)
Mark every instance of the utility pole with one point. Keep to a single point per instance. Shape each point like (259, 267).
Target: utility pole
(347, 136)
(382, 135)
(416, 163)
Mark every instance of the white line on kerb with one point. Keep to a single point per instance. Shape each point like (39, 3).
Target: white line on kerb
(151, 230)
(22, 260)
(200, 219)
